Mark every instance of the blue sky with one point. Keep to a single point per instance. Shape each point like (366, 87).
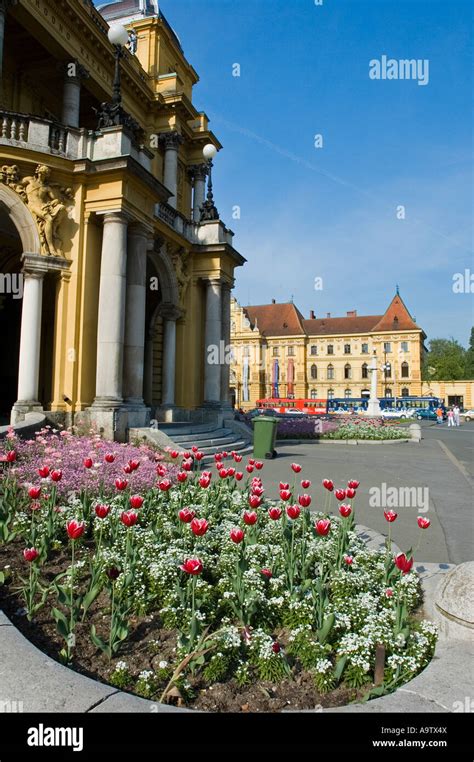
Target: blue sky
(332, 212)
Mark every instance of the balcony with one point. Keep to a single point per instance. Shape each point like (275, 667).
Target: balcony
(31, 132)
(203, 233)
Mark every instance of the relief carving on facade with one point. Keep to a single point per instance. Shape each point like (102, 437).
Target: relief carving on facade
(47, 201)
(180, 259)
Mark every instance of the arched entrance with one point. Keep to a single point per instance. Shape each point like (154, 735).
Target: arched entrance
(11, 293)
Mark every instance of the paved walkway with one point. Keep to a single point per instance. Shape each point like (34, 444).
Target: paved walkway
(425, 465)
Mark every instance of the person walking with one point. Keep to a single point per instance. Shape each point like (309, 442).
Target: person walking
(450, 417)
(439, 415)
(457, 414)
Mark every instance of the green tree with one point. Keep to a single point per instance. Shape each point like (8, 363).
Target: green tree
(445, 361)
(469, 358)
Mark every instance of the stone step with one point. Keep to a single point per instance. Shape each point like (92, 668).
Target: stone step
(184, 429)
(196, 438)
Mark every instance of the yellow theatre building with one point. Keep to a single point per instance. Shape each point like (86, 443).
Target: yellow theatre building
(115, 269)
(276, 349)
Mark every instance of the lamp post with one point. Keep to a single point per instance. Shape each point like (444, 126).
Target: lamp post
(113, 114)
(208, 209)
(119, 37)
(373, 407)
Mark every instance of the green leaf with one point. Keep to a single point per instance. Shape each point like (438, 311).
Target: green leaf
(325, 630)
(98, 641)
(2, 578)
(61, 622)
(340, 667)
(90, 597)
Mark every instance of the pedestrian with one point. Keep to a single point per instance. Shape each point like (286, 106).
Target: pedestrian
(439, 415)
(450, 417)
(457, 414)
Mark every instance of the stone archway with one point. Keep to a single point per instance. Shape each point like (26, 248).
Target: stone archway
(22, 219)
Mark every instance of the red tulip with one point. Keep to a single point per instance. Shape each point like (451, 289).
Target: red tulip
(293, 511)
(102, 511)
(275, 513)
(237, 535)
(199, 527)
(250, 517)
(239, 476)
(127, 469)
(328, 484)
(109, 458)
(204, 481)
(224, 453)
(349, 560)
(353, 484)
(218, 456)
(389, 592)
(284, 485)
(187, 465)
(251, 461)
(11, 456)
(237, 457)
(322, 527)
(199, 455)
(285, 494)
(75, 529)
(136, 501)
(257, 489)
(134, 464)
(121, 484)
(350, 492)
(88, 462)
(305, 483)
(231, 471)
(129, 518)
(255, 501)
(304, 500)
(174, 454)
(194, 448)
(390, 516)
(340, 494)
(164, 485)
(34, 492)
(186, 515)
(276, 648)
(192, 566)
(181, 476)
(35, 506)
(258, 465)
(223, 473)
(30, 554)
(345, 510)
(296, 467)
(186, 455)
(43, 472)
(403, 563)
(249, 468)
(56, 475)
(161, 470)
(423, 523)
(266, 573)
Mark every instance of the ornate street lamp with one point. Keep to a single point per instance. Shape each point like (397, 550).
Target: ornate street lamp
(119, 37)
(208, 209)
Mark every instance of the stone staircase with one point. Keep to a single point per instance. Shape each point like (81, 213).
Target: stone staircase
(208, 437)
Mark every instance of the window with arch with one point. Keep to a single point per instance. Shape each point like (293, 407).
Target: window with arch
(388, 392)
(330, 349)
(405, 392)
(347, 393)
(347, 349)
(330, 372)
(347, 371)
(314, 394)
(314, 349)
(330, 394)
(405, 370)
(314, 371)
(365, 370)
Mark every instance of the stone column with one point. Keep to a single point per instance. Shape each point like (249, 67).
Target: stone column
(373, 408)
(199, 174)
(134, 340)
(30, 343)
(169, 362)
(111, 320)
(225, 368)
(148, 370)
(171, 142)
(213, 335)
(73, 73)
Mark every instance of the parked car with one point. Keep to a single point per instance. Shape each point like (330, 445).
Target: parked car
(468, 415)
(427, 414)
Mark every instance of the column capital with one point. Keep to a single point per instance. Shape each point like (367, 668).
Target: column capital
(170, 141)
(169, 311)
(213, 280)
(138, 228)
(198, 171)
(115, 215)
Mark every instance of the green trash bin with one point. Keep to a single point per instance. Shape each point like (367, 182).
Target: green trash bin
(264, 436)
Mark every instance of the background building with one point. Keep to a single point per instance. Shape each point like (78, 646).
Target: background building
(277, 352)
(127, 269)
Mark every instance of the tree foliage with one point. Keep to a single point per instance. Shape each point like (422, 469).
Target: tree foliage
(448, 360)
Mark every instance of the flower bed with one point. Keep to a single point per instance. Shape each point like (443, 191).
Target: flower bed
(200, 591)
(309, 427)
(366, 428)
